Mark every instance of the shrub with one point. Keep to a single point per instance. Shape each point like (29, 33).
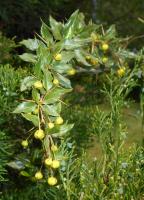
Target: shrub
(47, 158)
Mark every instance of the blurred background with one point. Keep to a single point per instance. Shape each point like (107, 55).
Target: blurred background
(22, 18)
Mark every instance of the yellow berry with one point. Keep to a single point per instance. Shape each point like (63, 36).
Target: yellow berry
(58, 57)
(88, 57)
(50, 125)
(52, 181)
(105, 47)
(39, 134)
(48, 161)
(36, 111)
(59, 120)
(56, 81)
(54, 148)
(24, 143)
(55, 164)
(104, 59)
(121, 71)
(38, 85)
(38, 175)
(71, 72)
(94, 61)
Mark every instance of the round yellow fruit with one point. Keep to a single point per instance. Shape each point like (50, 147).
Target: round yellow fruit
(104, 59)
(38, 175)
(94, 61)
(59, 120)
(48, 161)
(52, 181)
(38, 85)
(24, 143)
(36, 111)
(88, 57)
(54, 148)
(58, 57)
(71, 72)
(39, 134)
(56, 81)
(50, 125)
(121, 71)
(105, 47)
(55, 164)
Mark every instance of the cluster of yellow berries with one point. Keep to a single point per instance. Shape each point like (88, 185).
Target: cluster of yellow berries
(51, 180)
(58, 121)
(38, 84)
(92, 60)
(49, 162)
(39, 134)
(55, 164)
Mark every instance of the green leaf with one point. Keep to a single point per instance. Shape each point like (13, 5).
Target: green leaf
(35, 95)
(56, 28)
(110, 33)
(32, 118)
(47, 80)
(80, 57)
(52, 110)
(63, 129)
(27, 82)
(58, 47)
(28, 57)
(25, 107)
(37, 69)
(44, 58)
(61, 68)
(64, 81)
(31, 44)
(16, 165)
(54, 95)
(46, 33)
(71, 44)
(24, 173)
(69, 28)
(67, 56)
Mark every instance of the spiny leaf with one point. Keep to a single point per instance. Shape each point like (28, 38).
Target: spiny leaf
(56, 28)
(70, 26)
(46, 33)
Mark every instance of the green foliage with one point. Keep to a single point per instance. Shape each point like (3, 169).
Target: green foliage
(9, 93)
(60, 48)
(7, 47)
(5, 155)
